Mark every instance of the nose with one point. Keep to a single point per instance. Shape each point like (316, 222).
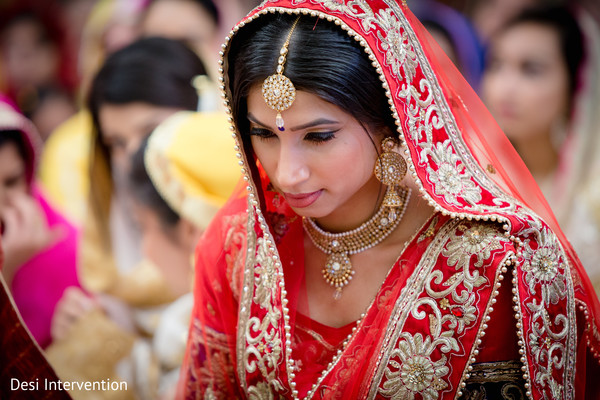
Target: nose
(4, 193)
(292, 168)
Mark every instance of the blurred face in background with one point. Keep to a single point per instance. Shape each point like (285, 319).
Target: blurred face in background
(29, 57)
(124, 126)
(184, 20)
(490, 15)
(168, 247)
(526, 82)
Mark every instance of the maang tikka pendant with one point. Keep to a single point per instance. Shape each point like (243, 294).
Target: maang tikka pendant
(277, 89)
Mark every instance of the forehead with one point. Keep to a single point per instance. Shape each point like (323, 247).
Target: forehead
(529, 37)
(125, 117)
(11, 160)
(306, 106)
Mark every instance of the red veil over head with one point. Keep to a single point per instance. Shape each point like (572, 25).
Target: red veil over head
(464, 167)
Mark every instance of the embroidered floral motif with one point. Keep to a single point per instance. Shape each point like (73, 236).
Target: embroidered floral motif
(399, 52)
(264, 347)
(214, 378)
(265, 277)
(546, 276)
(461, 315)
(450, 179)
(477, 239)
(545, 269)
(416, 372)
(235, 242)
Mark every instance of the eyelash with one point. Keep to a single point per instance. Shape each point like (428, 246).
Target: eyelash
(315, 137)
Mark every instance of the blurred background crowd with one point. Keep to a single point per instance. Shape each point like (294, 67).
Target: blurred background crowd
(115, 155)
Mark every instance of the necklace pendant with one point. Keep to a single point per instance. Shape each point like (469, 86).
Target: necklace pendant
(338, 271)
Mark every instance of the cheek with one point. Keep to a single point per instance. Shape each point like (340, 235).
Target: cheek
(7, 191)
(157, 248)
(546, 101)
(359, 158)
(491, 88)
(266, 152)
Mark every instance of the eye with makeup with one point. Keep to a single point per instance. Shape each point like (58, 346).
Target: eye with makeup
(261, 133)
(315, 137)
(320, 137)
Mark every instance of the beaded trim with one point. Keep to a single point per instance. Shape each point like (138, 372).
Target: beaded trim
(510, 260)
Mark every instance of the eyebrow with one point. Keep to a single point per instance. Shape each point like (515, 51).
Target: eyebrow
(311, 124)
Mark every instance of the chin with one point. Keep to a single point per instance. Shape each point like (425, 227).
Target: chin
(313, 211)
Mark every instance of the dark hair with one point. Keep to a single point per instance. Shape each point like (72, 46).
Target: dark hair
(156, 71)
(323, 60)
(144, 191)
(561, 20)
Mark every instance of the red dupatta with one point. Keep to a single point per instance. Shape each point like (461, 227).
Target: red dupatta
(493, 233)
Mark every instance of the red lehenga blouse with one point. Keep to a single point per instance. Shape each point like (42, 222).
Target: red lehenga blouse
(486, 301)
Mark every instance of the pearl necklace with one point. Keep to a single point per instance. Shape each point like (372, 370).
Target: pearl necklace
(340, 246)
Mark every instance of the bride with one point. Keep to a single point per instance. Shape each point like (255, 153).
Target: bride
(387, 242)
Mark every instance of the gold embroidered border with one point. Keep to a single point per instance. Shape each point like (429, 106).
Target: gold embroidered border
(409, 295)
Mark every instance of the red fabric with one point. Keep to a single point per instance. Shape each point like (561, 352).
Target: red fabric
(494, 253)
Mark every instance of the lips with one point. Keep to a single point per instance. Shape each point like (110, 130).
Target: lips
(301, 200)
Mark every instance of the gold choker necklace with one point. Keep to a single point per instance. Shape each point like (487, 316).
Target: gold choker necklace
(339, 246)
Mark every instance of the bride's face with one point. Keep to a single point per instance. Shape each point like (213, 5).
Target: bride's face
(322, 163)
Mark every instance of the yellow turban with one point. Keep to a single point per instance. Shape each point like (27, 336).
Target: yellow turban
(191, 161)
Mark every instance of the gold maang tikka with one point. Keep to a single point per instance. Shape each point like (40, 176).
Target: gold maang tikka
(277, 89)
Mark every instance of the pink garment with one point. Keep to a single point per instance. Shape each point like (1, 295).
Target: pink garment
(39, 284)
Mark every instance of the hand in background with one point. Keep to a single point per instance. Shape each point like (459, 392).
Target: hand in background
(26, 233)
(73, 305)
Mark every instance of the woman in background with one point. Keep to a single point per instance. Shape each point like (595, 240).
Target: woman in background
(541, 84)
(135, 90)
(37, 62)
(40, 245)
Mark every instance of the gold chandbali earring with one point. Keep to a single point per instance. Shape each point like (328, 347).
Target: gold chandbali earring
(390, 169)
(277, 89)
(340, 246)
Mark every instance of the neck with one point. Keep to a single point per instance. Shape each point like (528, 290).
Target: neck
(356, 210)
(539, 155)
